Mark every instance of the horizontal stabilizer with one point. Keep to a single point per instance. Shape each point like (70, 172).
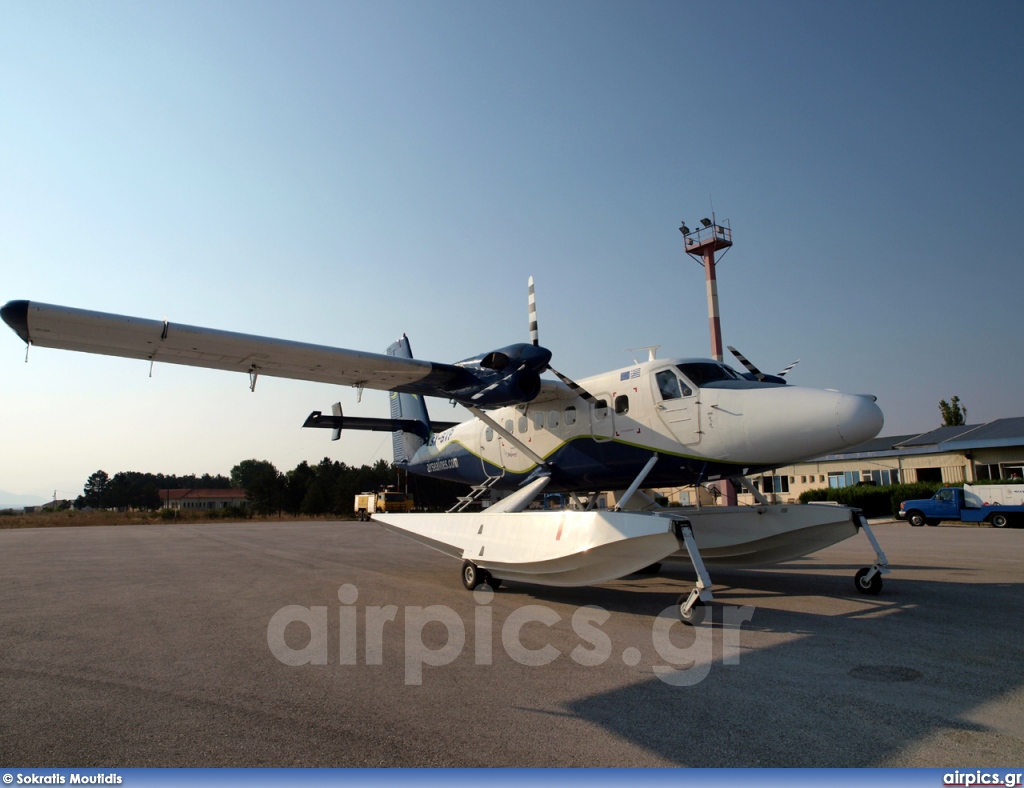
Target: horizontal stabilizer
(338, 422)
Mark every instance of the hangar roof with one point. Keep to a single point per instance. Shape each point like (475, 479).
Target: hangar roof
(1001, 432)
(941, 435)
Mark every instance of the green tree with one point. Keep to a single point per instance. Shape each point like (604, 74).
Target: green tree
(297, 483)
(133, 490)
(96, 489)
(243, 473)
(265, 488)
(316, 501)
(953, 413)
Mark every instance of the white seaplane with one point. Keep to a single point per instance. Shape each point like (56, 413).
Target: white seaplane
(660, 422)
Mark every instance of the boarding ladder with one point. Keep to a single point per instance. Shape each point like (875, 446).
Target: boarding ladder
(476, 493)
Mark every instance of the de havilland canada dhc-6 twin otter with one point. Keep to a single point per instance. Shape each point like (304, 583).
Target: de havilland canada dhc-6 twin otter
(656, 423)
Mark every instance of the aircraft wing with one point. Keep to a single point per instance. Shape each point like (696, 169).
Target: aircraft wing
(66, 328)
(552, 390)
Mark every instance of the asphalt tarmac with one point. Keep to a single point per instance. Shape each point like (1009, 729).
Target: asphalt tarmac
(166, 645)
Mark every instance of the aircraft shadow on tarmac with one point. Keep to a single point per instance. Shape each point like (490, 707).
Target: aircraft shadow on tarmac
(910, 677)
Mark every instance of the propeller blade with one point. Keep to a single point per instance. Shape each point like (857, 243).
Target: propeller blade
(787, 369)
(743, 360)
(534, 334)
(577, 389)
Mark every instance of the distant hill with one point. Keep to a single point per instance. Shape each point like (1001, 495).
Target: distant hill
(9, 500)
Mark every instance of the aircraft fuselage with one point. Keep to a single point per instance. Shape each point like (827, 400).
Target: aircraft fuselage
(702, 418)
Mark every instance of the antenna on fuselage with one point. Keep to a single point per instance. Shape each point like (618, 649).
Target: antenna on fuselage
(652, 352)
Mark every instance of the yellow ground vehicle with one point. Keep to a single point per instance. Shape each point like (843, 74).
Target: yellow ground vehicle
(368, 503)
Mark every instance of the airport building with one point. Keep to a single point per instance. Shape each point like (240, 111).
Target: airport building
(202, 499)
(949, 454)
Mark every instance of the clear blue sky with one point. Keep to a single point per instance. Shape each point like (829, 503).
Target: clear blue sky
(343, 172)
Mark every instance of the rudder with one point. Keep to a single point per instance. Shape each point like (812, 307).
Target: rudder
(407, 406)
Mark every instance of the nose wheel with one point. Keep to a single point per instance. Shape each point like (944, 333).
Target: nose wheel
(691, 613)
(691, 606)
(869, 579)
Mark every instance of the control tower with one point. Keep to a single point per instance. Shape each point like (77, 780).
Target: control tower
(701, 244)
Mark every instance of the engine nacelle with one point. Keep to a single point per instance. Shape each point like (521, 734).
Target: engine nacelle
(507, 376)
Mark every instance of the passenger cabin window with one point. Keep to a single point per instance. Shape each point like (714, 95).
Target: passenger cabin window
(489, 434)
(538, 420)
(553, 419)
(570, 415)
(622, 404)
(601, 410)
(524, 423)
(508, 425)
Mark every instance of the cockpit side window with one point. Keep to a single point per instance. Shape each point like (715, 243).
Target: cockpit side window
(668, 384)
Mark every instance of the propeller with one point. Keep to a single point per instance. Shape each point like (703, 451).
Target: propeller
(753, 370)
(577, 389)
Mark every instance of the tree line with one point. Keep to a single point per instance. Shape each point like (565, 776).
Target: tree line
(134, 490)
(326, 488)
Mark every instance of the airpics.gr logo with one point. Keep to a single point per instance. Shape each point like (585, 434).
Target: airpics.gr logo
(685, 666)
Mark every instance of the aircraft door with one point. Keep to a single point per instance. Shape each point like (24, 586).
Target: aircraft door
(677, 403)
(491, 450)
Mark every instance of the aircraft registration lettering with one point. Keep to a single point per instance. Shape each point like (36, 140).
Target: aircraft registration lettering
(444, 437)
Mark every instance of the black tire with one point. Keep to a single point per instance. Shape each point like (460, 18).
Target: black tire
(696, 614)
(471, 575)
(998, 520)
(870, 587)
(916, 519)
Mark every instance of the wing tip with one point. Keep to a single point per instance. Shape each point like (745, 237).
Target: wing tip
(15, 314)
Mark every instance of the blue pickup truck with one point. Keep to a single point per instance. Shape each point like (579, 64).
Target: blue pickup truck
(966, 505)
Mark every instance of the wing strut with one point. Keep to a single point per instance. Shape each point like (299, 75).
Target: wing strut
(750, 488)
(508, 436)
(637, 482)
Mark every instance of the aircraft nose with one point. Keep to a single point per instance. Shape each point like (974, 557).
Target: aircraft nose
(858, 418)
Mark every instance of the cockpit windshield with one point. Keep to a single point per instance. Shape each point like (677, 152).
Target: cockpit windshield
(701, 372)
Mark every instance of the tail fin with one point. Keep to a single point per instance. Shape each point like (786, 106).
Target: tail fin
(407, 406)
